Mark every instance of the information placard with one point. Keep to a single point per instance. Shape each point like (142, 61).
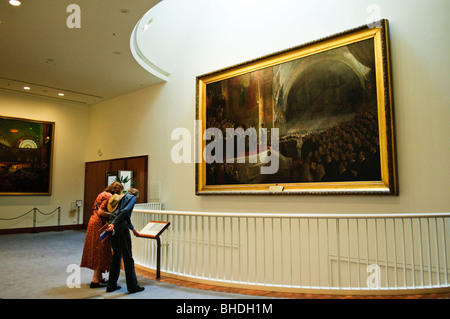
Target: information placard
(153, 229)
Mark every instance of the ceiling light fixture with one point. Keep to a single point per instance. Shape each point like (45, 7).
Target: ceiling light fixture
(26, 88)
(148, 24)
(14, 3)
(61, 94)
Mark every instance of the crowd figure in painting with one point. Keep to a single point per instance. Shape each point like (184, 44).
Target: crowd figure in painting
(346, 152)
(224, 173)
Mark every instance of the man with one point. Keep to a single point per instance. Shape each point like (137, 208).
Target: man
(120, 224)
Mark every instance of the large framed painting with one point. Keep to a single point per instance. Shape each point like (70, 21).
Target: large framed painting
(26, 153)
(314, 119)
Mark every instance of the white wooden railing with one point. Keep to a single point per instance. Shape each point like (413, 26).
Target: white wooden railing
(318, 253)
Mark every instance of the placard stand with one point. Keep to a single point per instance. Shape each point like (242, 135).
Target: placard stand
(153, 230)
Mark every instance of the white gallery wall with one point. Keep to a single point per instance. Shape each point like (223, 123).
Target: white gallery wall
(218, 34)
(69, 155)
(203, 36)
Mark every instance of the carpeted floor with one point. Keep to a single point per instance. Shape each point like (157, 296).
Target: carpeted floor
(34, 272)
(35, 266)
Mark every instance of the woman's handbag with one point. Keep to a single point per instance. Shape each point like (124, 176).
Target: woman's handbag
(103, 232)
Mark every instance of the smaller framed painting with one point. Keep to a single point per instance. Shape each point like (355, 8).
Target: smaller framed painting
(26, 156)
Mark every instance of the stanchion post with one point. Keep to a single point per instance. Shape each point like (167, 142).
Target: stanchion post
(34, 220)
(59, 218)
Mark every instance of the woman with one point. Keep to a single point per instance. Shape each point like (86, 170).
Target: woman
(97, 253)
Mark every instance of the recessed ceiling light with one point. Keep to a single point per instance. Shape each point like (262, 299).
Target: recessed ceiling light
(26, 88)
(61, 94)
(14, 3)
(148, 24)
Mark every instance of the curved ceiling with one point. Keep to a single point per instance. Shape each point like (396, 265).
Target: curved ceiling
(144, 32)
(88, 64)
(159, 36)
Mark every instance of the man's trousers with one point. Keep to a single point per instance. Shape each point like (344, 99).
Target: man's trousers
(121, 245)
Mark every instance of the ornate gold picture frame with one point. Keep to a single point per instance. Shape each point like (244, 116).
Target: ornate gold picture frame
(314, 119)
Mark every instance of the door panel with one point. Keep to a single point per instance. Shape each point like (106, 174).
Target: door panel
(95, 179)
(117, 165)
(139, 166)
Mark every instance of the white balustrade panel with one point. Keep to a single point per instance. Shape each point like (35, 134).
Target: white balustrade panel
(299, 252)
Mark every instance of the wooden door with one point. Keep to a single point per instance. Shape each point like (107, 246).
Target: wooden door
(139, 166)
(94, 185)
(95, 179)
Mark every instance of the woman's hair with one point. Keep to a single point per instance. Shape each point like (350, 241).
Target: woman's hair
(134, 191)
(114, 188)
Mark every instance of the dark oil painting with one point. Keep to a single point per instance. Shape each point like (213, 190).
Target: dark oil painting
(325, 108)
(25, 156)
